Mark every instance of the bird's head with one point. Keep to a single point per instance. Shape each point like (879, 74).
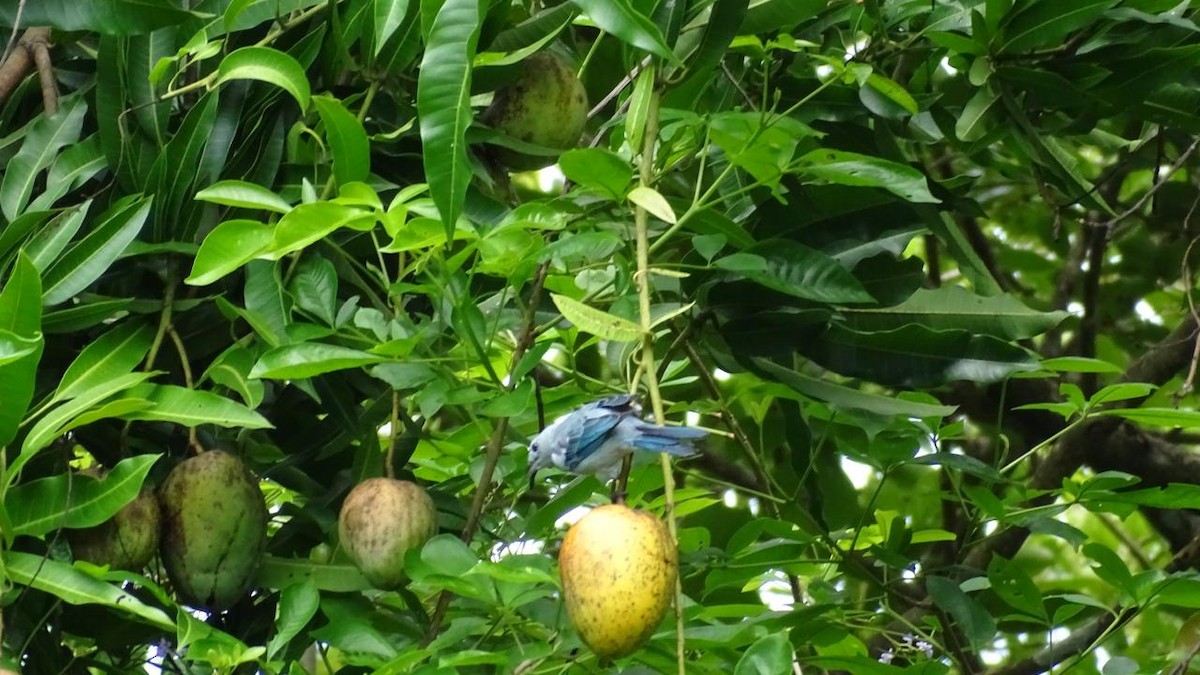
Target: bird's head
(537, 461)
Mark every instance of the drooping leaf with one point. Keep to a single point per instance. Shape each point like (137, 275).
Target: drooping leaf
(267, 65)
(20, 316)
(115, 353)
(955, 308)
(974, 620)
(620, 18)
(444, 106)
(846, 397)
(347, 139)
(191, 407)
(76, 587)
(47, 504)
(46, 137)
(91, 256)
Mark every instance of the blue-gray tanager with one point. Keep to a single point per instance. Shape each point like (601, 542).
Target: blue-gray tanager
(595, 437)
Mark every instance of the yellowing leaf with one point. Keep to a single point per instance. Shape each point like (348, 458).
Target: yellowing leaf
(595, 321)
(649, 199)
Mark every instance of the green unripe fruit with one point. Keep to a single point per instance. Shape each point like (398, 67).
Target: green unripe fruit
(214, 529)
(546, 105)
(126, 541)
(381, 519)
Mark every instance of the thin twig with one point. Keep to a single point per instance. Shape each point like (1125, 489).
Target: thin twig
(495, 444)
(1110, 225)
(193, 441)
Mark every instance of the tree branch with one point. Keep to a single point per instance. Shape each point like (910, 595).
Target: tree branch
(20, 61)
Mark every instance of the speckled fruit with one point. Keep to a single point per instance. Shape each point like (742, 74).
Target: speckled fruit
(546, 105)
(381, 519)
(214, 529)
(126, 541)
(618, 571)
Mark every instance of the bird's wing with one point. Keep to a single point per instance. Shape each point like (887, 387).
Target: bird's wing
(588, 431)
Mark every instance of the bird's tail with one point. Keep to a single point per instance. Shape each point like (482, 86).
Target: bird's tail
(671, 440)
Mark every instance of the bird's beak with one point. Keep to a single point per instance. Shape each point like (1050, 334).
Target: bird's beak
(532, 478)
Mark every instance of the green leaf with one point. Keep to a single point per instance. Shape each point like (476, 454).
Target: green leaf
(190, 408)
(595, 321)
(956, 308)
(773, 16)
(964, 463)
(389, 15)
(629, 25)
(298, 604)
(176, 171)
(13, 347)
(244, 195)
(403, 375)
(893, 92)
(308, 359)
(722, 26)
(75, 587)
(307, 224)
(314, 286)
(230, 245)
(850, 168)
(972, 618)
(797, 270)
(74, 500)
(763, 147)
(649, 199)
(348, 141)
(20, 316)
(510, 403)
(444, 106)
(266, 65)
(115, 353)
(846, 398)
(1042, 24)
(1158, 417)
(91, 257)
(972, 122)
(45, 138)
(70, 415)
(275, 572)
(769, 655)
(598, 169)
(74, 167)
(1014, 586)
(1079, 364)
(47, 243)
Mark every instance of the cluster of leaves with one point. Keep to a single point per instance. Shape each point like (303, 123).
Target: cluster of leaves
(276, 227)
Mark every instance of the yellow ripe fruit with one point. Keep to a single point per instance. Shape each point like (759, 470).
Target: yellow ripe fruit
(380, 521)
(618, 570)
